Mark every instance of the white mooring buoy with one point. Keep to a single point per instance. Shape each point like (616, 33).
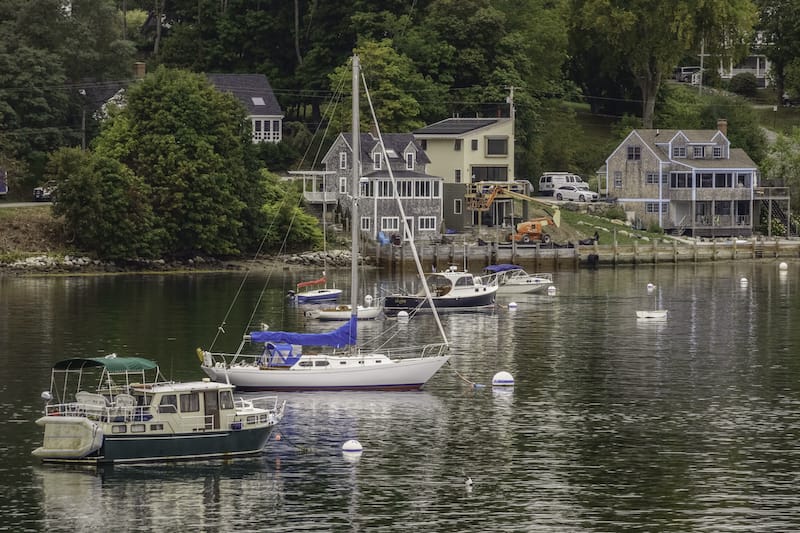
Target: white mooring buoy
(551, 290)
(650, 286)
(503, 379)
(352, 446)
(783, 266)
(512, 305)
(402, 316)
(743, 281)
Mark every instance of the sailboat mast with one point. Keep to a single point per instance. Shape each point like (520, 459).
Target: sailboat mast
(355, 221)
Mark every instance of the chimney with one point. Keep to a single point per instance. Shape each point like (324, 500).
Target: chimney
(139, 69)
(722, 125)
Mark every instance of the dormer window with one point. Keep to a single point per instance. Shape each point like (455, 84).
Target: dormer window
(343, 160)
(678, 151)
(410, 161)
(717, 152)
(376, 161)
(698, 152)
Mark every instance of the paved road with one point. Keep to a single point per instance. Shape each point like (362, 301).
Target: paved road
(23, 204)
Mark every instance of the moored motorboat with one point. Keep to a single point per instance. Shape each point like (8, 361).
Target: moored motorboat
(305, 294)
(513, 279)
(451, 290)
(134, 415)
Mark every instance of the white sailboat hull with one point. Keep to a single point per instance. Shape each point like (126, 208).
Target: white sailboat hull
(372, 372)
(343, 312)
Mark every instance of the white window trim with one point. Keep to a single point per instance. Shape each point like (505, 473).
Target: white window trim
(411, 160)
(377, 160)
(343, 160)
(426, 223)
(366, 223)
(390, 223)
(457, 206)
(342, 185)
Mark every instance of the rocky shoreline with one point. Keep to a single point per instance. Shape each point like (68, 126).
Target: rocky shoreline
(74, 264)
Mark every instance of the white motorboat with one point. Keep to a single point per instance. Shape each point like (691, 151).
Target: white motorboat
(451, 290)
(513, 279)
(283, 365)
(133, 415)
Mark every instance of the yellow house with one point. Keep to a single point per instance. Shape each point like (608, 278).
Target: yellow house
(463, 151)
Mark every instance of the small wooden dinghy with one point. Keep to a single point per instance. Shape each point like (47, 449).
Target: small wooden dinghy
(653, 313)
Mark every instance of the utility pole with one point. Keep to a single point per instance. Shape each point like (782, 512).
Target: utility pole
(82, 92)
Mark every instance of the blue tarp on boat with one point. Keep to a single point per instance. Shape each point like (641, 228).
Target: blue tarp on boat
(345, 335)
(504, 267)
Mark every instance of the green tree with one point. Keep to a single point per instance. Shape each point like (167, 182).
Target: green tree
(781, 166)
(649, 37)
(779, 22)
(393, 83)
(188, 142)
(105, 206)
(290, 227)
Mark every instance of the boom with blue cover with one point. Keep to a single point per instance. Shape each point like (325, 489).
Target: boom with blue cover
(345, 335)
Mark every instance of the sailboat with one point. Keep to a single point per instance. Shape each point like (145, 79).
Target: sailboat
(369, 311)
(305, 294)
(282, 363)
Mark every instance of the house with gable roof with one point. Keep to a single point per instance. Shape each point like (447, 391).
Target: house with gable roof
(472, 155)
(420, 192)
(687, 181)
(255, 93)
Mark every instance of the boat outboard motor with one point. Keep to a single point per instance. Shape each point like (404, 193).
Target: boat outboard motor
(290, 294)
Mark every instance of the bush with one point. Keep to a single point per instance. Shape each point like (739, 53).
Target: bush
(744, 84)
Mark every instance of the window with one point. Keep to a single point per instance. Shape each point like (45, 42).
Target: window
(424, 144)
(489, 174)
(190, 403)
(226, 400)
(458, 175)
(457, 145)
(169, 404)
(138, 428)
(343, 160)
(617, 179)
(367, 189)
(697, 152)
(257, 100)
(343, 185)
(679, 151)
(376, 161)
(497, 147)
(366, 223)
(404, 189)
(427, 223)
(680, 180)
(457, 206)
(474, 144)
(743, 180)
(436, 189)
(390, 224)
(634, 153)
(410, 161)
(718, 152)
(652, 177)
(422, 189)
(652, 207)
(385, 189)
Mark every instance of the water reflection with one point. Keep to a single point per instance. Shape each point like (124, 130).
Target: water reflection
(613, 423)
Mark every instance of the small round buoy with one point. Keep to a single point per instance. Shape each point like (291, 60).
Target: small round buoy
(402, 315)
(551, 289)
(503, 379)
(650, 286)
(368, 300)
(743, 281)
(783, 266)
(512, 305)
(352, 446)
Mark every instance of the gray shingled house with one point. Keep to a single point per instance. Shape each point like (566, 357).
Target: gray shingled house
(420, 193)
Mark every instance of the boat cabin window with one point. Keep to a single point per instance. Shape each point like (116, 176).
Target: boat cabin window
(119, 429)
(306, 363)
(464, 281)
(190, 403)
(169, 404)
(137, 428)
(156, 427)
(321, 363)
(226, 399)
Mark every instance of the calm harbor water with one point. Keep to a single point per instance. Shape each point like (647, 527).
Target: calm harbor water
(615, 424)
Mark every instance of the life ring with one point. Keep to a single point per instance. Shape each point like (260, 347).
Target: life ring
(200, 355)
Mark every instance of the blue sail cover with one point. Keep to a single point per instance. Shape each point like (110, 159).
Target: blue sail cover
(338, 338)
(503, 267)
